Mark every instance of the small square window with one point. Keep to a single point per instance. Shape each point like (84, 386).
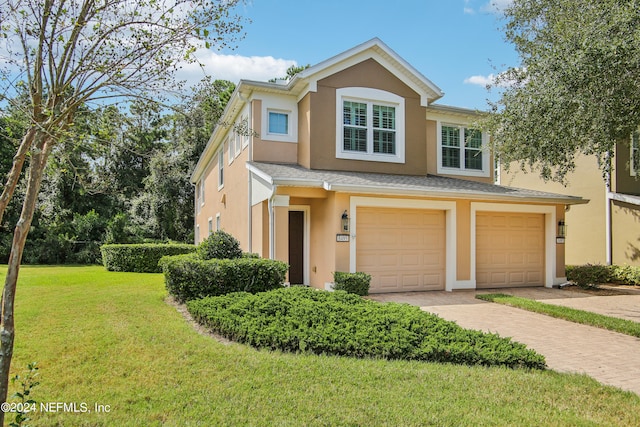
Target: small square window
(278, 123)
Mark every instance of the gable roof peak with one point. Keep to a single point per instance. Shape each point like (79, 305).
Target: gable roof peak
(378, 50)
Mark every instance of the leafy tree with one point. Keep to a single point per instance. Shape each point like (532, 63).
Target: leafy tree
(79, 52)
(577, 89)
(291, 71)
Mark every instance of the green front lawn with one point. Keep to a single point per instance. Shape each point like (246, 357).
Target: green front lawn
(110, 339)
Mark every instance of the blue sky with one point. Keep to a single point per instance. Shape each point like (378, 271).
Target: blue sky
(457, 44)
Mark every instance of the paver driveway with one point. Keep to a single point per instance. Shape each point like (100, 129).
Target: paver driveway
(609, 357)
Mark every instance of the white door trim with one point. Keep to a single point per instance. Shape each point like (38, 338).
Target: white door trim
(385, 202)
(306, 211)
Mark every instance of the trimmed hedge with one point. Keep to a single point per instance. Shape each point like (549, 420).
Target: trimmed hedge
(140, 258)
(355, 283)
(189, 277)
(592, 275)
(300, 319)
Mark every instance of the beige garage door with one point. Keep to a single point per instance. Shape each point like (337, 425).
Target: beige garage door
(402, 249)
(509, 249)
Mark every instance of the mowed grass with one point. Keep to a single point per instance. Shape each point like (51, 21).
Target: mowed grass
(111, 339)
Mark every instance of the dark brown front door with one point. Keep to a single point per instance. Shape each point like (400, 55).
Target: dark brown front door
(296, 247)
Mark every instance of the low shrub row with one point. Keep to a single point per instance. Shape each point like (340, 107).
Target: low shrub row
(590, 275)
(190, 277)
(300, 319)
(140, 258)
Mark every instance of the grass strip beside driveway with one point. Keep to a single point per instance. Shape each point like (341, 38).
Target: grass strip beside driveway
(615, 324)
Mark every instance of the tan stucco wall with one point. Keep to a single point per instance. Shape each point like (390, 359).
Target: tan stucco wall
(586, 224)
(370, 74)
(304, 128)
(234, 217)
(326, 255)
(626, 233)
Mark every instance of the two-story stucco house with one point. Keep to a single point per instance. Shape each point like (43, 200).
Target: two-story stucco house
(352, 167)
(607, 229)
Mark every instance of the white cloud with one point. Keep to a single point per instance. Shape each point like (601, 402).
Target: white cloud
(480, 80)
(496, 6)
(234, 67)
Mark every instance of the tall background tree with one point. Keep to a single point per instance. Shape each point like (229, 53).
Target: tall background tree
(577, 89)
(80, 53)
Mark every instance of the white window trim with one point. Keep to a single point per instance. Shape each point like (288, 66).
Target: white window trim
(370, 96)
(197, 234)
(232, 146)
(210, 226)
(276, 135)
(221, 168)
(244, 122)
(198, 194)
(633, 168)
(218, 223)
(486, 167)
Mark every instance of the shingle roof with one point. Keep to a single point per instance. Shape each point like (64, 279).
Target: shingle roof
(427, 185)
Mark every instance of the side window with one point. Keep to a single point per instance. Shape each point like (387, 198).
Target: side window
(221, 168)
(461, 151)
(278, 122)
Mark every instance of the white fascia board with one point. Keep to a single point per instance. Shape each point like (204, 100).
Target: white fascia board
(234, 106)
(625, 198)
(378, 50)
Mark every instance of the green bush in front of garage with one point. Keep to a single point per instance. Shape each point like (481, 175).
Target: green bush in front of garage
(593, 275)
(299, 319)
(355, 283)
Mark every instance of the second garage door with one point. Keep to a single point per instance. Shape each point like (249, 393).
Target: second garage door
(402, 249)
(509, 249)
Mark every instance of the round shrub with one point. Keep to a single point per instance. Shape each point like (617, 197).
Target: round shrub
(220, 245)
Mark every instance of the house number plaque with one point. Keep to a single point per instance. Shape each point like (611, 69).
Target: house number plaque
(342, 237)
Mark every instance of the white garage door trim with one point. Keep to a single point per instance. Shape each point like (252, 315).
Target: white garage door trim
(450, 227)
(549, 234)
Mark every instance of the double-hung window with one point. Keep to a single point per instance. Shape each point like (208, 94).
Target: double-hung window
(369, 129)
(221, 168)
(461, 151)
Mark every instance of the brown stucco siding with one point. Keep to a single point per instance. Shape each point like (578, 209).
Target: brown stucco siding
(368, 74)
(270, 151)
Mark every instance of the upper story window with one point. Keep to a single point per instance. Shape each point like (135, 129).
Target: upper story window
(370, 125)
(278, 123)
(634, 164)
(221, 168)
(460, 151)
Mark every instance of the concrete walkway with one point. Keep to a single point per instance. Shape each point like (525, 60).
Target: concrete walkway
(609, 357)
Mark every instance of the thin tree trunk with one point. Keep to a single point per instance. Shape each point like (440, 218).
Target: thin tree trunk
(16, 169)
(7, 331)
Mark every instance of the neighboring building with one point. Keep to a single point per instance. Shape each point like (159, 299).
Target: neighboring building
(607, 230)
(351, 167)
